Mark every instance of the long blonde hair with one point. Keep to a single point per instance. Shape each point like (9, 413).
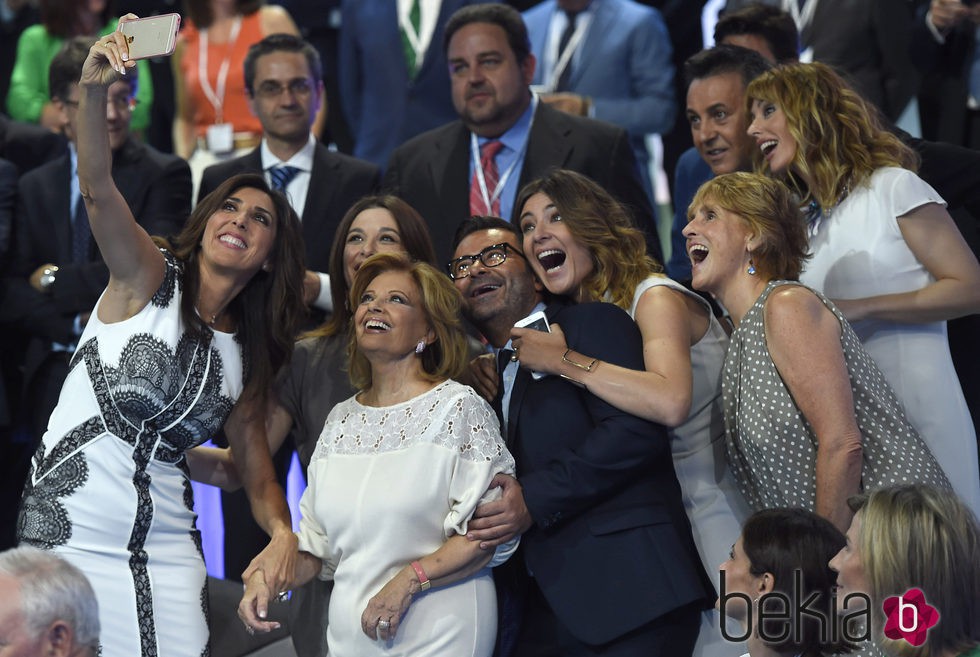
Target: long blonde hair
(840, 138)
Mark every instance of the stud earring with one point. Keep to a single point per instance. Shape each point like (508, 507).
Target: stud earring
(751, 269)
(420, 347)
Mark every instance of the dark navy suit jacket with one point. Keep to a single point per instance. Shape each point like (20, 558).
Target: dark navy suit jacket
(611, 547)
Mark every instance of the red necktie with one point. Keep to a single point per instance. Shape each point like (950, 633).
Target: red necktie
(491, 176)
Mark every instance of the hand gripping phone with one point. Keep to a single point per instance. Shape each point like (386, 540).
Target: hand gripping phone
(538, 322)
(155, 36)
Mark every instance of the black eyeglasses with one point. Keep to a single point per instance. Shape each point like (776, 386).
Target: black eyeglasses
(300, 88)
(492, 256)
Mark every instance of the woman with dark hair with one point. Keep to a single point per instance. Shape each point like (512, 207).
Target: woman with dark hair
(914, 537)
(29, 98)
(184, 340)
(581, 244)
(395, 477)
(778, 562)
(809, 417)
(884, 248)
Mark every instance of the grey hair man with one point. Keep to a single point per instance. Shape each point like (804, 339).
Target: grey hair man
(47, 606)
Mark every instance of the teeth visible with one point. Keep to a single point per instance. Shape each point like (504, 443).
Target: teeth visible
(234, 241)
(698, 252)
(376, 324)
(767, 146)
(551, 259)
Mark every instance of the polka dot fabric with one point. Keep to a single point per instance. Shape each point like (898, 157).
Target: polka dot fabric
(771, 446)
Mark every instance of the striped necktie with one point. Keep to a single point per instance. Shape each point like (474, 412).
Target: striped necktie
(491, 176)
(282, 175)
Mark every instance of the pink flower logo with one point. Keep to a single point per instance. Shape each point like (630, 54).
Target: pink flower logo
(909, 617)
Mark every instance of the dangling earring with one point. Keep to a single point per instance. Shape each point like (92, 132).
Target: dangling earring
(420, 347)
(751, 269)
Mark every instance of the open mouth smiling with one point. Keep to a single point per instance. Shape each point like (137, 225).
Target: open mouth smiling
(551, 259)
(376, 325)
(768, 146)
(697, 253)
(231, 240)
(486, 288)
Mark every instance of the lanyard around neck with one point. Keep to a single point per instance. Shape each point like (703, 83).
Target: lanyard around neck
(490, 198)
(565, 56)
(803, 17)
(217, 96)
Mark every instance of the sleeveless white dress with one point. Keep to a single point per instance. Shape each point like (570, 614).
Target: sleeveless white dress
(859, 251)
(389, 485)
(712, 500)
(108, 488)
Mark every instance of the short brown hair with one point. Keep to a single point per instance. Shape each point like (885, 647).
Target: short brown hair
(447, 356)
(770, 211)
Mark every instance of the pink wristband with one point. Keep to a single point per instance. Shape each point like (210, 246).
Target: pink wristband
(424, 582)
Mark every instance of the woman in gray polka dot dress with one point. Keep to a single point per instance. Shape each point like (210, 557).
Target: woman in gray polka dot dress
(810, 419)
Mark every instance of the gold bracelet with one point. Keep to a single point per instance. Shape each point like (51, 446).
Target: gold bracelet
(574, 382)
(587, 368)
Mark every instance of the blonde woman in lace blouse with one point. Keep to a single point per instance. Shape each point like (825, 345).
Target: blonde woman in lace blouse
(396, 475)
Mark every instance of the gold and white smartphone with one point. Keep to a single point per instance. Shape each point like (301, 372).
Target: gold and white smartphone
(155, 36)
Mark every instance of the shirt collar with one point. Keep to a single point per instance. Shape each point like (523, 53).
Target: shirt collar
(302, 160)
(515, 136)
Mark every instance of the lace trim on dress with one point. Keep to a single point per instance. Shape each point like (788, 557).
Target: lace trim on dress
(464, 422)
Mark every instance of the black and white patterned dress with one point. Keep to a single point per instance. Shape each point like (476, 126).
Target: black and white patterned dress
(108, 488)
(772, 448)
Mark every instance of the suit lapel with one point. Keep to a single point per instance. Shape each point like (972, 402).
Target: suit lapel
(61, 207)
(548, 146)
(521, 381)
(602, 24)
(449, 169)
(324, 185)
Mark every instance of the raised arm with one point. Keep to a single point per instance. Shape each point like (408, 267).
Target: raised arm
(183, 129)
(136, 266)
(669, 324)
(936, 242)
(803, 337)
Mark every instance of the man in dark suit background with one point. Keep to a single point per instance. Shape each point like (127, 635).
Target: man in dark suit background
(613, 568)
(504, 138)
(283, 79)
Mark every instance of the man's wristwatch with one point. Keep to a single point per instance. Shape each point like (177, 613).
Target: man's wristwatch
(48, 276)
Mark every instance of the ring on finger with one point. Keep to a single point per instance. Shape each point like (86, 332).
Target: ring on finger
(514, 357)
(383, 624)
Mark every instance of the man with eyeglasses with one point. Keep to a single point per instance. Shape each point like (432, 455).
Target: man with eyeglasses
(283, 80)
(607, 565)
(53, 249)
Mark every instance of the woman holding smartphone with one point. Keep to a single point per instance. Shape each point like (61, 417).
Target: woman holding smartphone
(184, 341)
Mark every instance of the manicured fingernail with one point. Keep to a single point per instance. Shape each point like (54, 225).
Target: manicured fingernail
(262, 614)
